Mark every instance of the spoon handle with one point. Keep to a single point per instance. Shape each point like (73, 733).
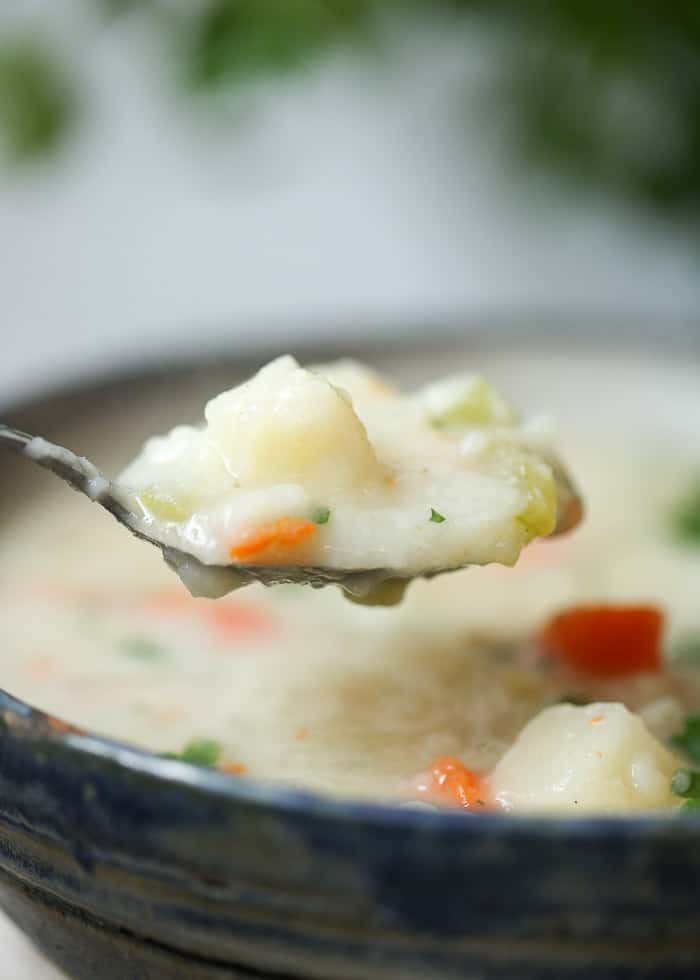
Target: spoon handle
(14, 439)
(77, 471)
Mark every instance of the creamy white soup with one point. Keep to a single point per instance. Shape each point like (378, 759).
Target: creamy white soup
(565, 685)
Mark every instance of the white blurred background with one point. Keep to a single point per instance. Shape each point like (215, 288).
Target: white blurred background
(344, 195)
(362, 195)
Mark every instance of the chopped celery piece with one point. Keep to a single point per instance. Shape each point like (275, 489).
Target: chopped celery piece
(166, 506)
(466, 400)
(535, 480)
(540, 515)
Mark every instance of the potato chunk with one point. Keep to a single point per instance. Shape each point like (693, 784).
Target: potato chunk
(290, 425)
(162, 475)
(600, 758)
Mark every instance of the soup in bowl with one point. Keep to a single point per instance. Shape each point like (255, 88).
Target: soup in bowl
(460, 726)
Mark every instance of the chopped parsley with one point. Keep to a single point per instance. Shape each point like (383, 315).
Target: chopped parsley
(688, 741)
(685, 520)
(200, 752)
(686, 784)
(436, 517)
(321, 515)
(141, 648)
(686, 649)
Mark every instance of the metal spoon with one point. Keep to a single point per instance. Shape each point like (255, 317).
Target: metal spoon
(372, 585)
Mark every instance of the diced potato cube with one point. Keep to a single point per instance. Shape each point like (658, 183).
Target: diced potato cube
(600, 758)
(289, 425)
(176, 473)
(364, 386)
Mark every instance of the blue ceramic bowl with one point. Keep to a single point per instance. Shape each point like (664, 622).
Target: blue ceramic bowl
(124, 866)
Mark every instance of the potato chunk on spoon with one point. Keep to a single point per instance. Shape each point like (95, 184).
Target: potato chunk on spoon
(331, 475)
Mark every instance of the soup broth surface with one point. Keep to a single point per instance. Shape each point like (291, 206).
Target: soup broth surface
(302, 687)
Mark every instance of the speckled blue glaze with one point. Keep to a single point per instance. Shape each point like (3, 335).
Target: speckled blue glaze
(118, 861)
(124, 866)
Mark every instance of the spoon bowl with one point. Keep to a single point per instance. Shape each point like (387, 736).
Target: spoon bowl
(380, 586)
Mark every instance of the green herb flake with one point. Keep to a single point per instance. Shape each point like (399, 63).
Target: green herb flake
(685, 520)
(686, 649)
(681, 782)
(686, 784)
(321, 515)
(436, 517)
(199, 752)
(688, 741)
(141, 648)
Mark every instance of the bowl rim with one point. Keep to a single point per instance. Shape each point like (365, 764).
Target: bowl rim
(39, 729)
(32, 725)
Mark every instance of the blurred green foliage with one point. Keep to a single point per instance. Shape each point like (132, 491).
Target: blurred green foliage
(607, 92)
(36, 100)
(242, 39)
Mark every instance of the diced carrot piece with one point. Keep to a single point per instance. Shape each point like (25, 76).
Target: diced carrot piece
(605, 640)
(233, 768)
(230, 618)
(234, 618)
(170, 712)
(286, 532)
(454, 783)
(41, 667)
(167, 601)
